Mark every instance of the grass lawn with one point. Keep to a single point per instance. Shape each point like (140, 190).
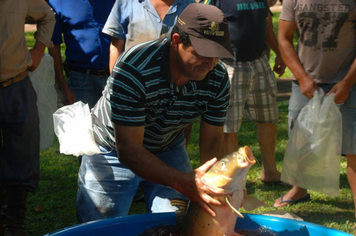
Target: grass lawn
(53, 206)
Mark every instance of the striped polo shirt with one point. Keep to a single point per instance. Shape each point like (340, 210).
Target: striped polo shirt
(141, 92)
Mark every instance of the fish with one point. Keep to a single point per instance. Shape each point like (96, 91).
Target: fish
(229, 174)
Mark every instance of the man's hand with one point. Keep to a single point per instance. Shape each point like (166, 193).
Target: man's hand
(68, 95)
(341, 90)
(279, 65)
(308, 86)
(197, 192)
(61, 83)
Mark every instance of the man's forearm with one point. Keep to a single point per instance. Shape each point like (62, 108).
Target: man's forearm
(37, 53)
(211, 142)
(55, 52)
(148, 166)
(290, 58)
(117, 46)
(271, 37)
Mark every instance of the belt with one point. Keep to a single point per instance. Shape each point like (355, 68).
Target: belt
(89, 71)
(13, 80)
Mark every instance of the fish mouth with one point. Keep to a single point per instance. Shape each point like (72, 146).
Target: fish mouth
(246, 155)
(230, 172)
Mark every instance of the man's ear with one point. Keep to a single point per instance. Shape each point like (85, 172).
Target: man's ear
(175, 41)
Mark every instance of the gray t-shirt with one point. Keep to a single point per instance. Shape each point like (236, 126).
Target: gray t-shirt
(327, 37)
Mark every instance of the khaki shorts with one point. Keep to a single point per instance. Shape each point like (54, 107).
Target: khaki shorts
(253, 90)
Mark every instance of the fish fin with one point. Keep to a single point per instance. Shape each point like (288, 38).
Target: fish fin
(227, 199)
(250, 203)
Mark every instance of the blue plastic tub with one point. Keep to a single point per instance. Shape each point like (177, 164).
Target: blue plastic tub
(135, 224)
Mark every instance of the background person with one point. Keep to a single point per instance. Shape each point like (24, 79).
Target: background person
(252, 82)
(134, 22)
(80, 23)
(142, 115)
(325, 60)
(20, 133)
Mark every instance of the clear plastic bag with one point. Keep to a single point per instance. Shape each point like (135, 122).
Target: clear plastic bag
(312, 158)
(43, 81)
(73, 127)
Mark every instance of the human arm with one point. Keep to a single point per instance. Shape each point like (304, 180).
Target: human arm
(290, 57)
(41, 13)
(36, 54)
(211, 136)
(116, 26)
(342, 88)
(117, 46)
(43, 16)
(148, 166)
(211, 143)
(69, 97)
(279, 65)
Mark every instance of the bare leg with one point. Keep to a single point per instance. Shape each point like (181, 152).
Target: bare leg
(295, 193)
(351, 174)
(267, 136)
(231, 143)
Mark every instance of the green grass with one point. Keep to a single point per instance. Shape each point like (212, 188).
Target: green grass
(53, 206)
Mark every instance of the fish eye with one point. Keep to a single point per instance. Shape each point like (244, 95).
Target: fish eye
(223, 166)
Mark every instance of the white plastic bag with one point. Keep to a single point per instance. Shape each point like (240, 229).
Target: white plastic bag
(43, 81)
(312, 158)
(73, 127)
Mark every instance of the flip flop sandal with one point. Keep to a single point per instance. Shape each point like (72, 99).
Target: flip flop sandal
(290, 202)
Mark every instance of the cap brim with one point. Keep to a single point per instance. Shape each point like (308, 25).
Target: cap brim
(209, 48)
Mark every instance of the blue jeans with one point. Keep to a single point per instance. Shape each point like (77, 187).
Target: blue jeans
(106, 187)
(86, 88)
(348, 111)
